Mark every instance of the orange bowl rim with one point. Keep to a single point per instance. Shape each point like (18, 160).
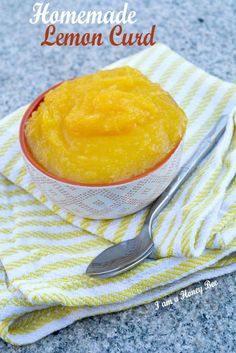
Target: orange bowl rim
(28, 155)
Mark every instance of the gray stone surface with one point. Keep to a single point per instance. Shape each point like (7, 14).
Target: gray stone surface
(204, 32)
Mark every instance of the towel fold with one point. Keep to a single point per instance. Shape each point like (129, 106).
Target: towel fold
(45, 250)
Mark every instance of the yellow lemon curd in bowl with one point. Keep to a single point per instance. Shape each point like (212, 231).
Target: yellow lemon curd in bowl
(105, 127)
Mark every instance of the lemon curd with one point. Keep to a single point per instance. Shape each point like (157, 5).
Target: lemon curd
(105, 127)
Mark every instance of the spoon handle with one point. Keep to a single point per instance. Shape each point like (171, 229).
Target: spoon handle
(205, 146)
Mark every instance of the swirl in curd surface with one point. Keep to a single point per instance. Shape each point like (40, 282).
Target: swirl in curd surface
(105, 127)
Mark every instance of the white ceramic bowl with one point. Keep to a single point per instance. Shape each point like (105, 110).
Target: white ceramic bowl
(106, 201)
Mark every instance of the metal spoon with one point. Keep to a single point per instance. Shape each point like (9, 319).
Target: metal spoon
(127, 254)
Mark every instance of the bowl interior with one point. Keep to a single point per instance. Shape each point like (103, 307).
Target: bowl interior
(28, 155)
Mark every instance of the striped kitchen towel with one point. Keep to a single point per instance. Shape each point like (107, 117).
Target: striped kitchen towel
(45, 250)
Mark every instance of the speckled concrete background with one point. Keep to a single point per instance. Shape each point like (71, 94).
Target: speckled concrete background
(204, 32)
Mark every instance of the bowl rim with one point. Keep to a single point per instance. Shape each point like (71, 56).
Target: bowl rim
(29, 157)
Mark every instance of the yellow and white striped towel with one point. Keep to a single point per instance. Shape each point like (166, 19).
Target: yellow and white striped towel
(44, 250)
